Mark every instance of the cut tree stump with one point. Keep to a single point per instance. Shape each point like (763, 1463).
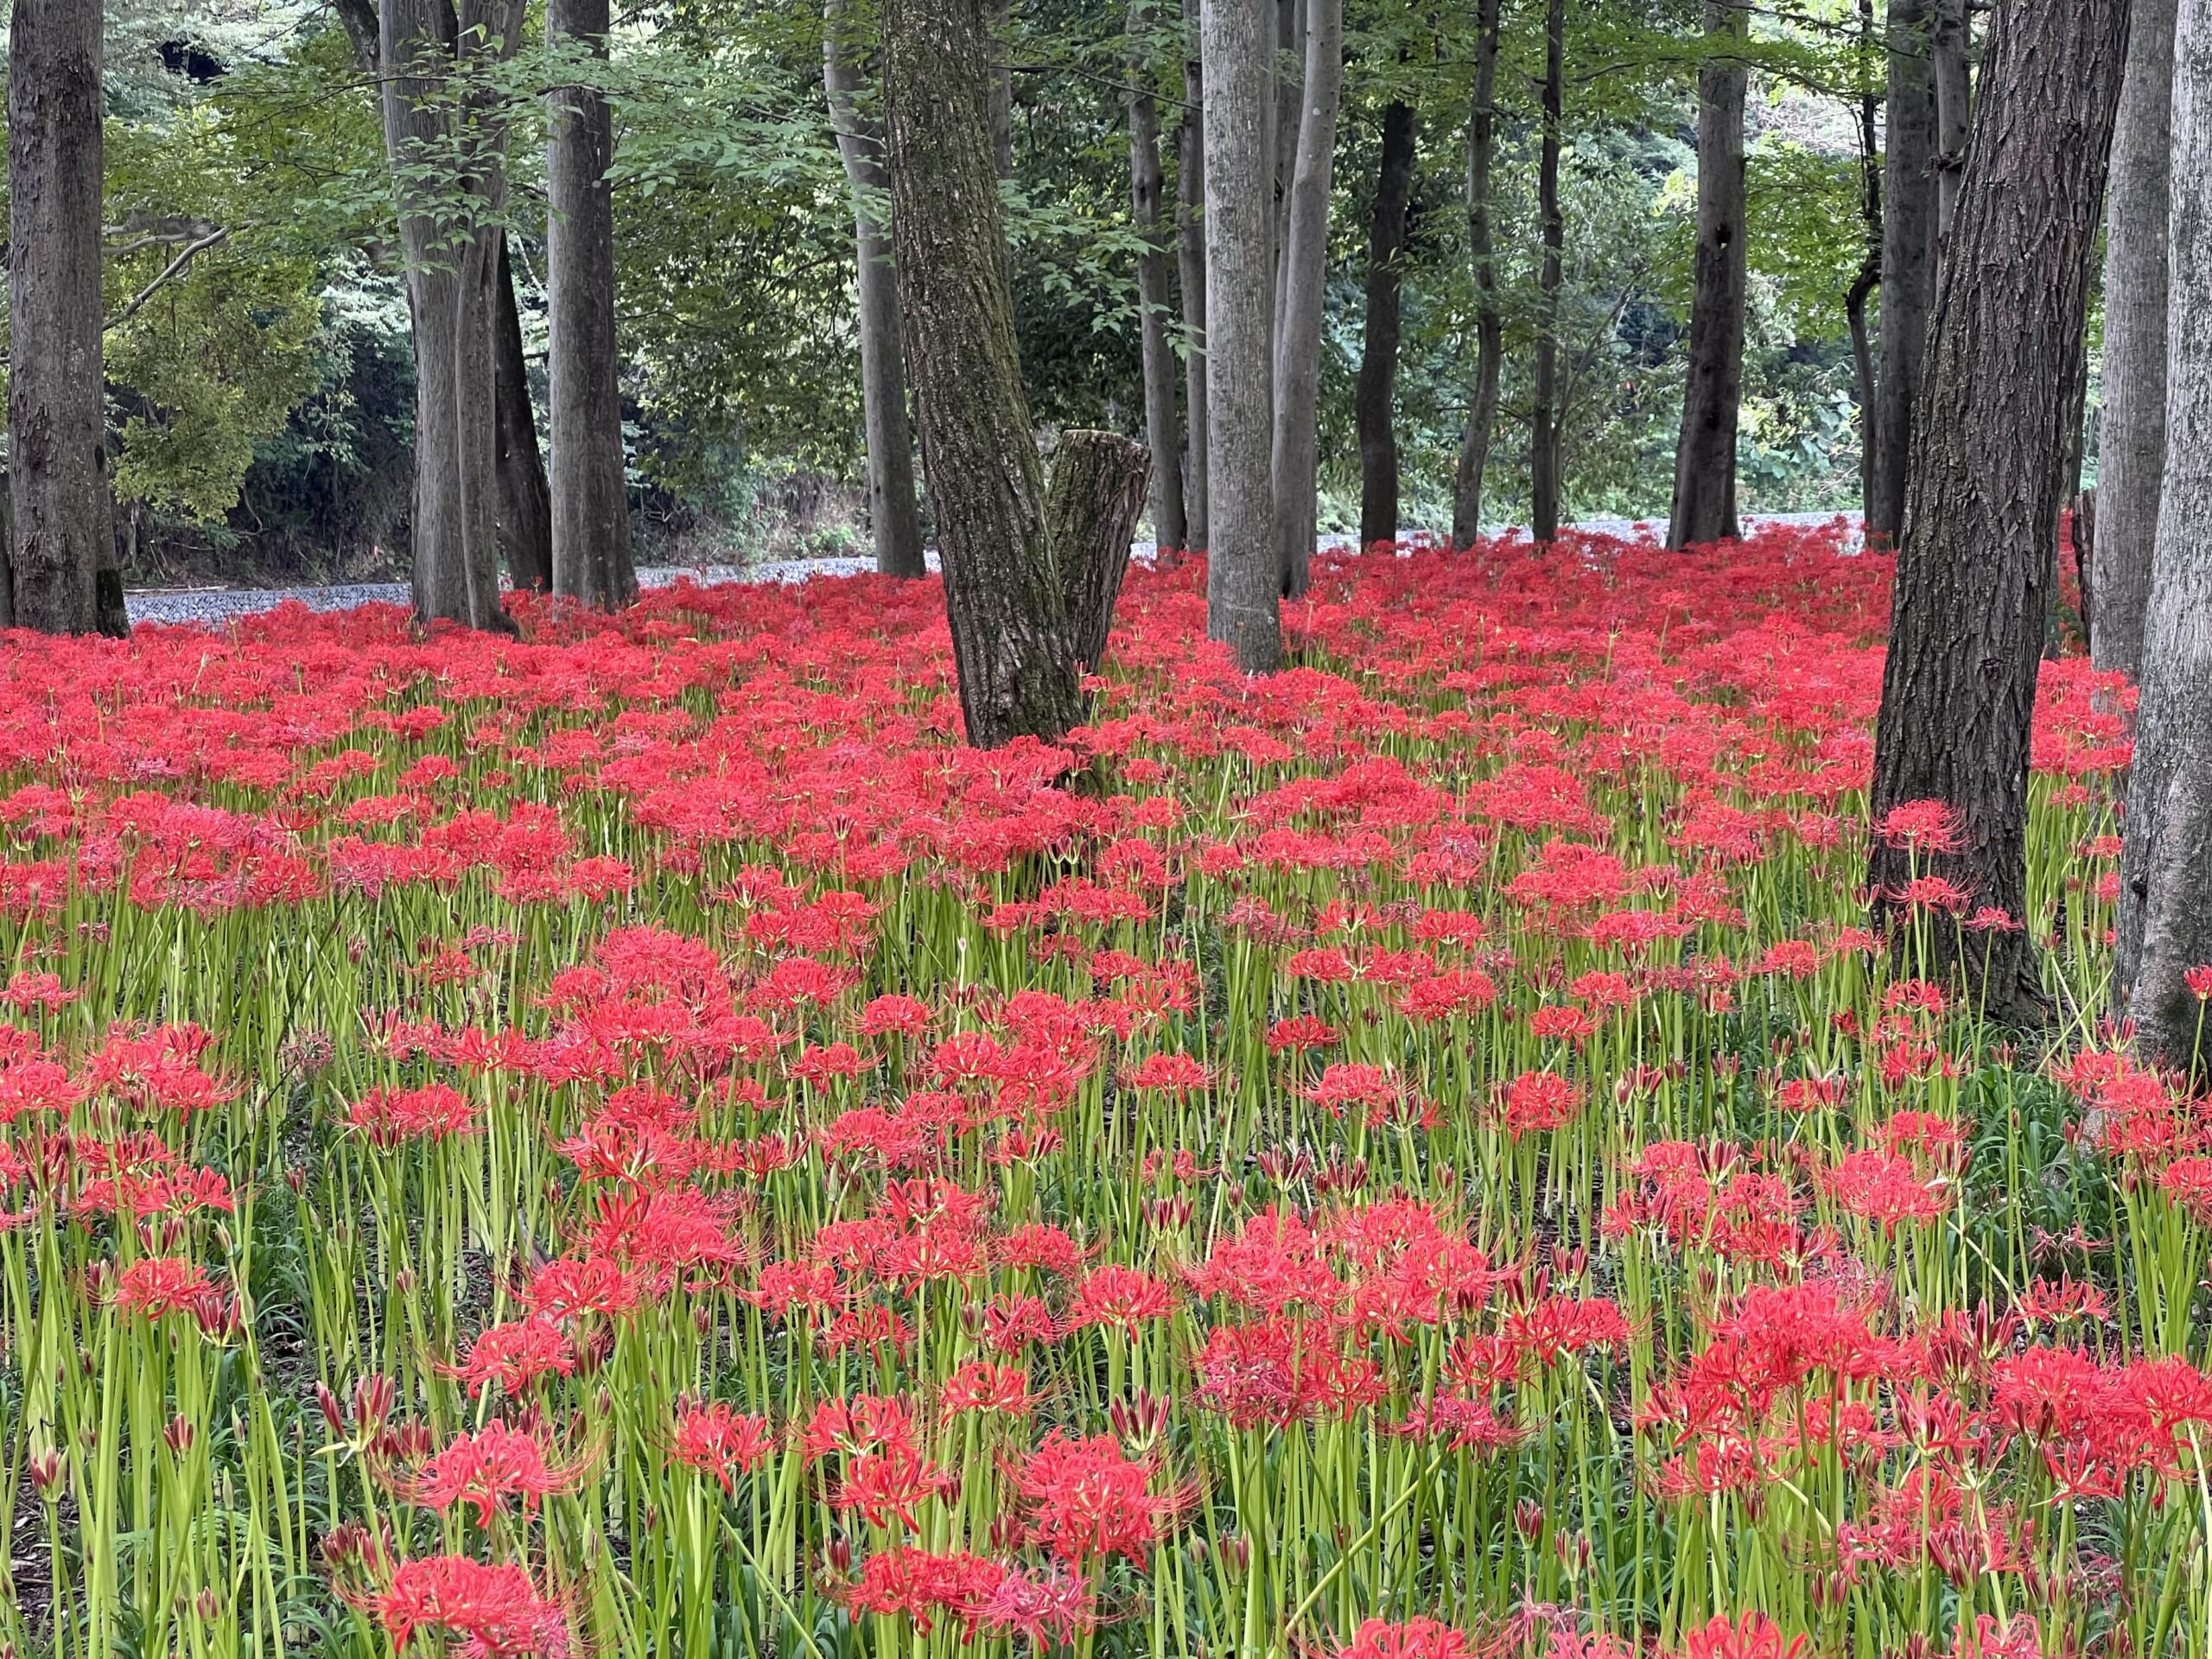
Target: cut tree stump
(1091, 508)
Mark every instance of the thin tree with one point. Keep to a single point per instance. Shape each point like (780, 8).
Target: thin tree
(2165, 886)
(1908, 200)
(1950, 72)
(893, 515)
(60, 574)
(1979, 562)
(1489, 317)
(2131, 427)
(1296, 455)
(1705, 455)
(1169, 523)
(1545, 416)
(1375, 398)
(1242, 589)
(525, 497)
(592, 561)
(1190, 255)
(1869, 275)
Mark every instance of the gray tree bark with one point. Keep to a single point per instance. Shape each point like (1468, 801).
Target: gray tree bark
(592, 561)
(1004, 598)
(1242, 591)
(1545, 418)
(1295, 464)
(1979, 562)
(1950, 70)
(526, 497)
(2165, 891)
(1705, 455)
(2131, 429)
(1169, 526)
(1090, 513)
(1286, 65)
(62, 574)
(1375, 398)
(894, 516)
(1869, 275)
(1489, 317)
(1190, 253)
(1908, 260)
(1001, 90)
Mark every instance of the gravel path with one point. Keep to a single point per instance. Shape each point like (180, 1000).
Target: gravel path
(212, 607)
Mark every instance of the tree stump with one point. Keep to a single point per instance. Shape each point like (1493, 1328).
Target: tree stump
(1092, 507)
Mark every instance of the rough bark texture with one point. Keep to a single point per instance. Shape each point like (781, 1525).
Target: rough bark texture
(1296, 462)
(1376, 397)
(1001, 88)
(1190, 250)
(61, 538)
(2132, 430)
(592, 562)
(1003, 596)
(1242, 603)
(1544, 418)
(1285, 65)
(1090, 513)
(1908, 260)
(1168, 526)
(1705, 455)
(1869, 275)
(1978, 565)
(1949, 66)
(894, 514)
(2166, 889)
(525, 498)
(1489, 317)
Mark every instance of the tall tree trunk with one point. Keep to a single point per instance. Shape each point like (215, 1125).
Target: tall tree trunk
(2132, 430)
(1545, 417)
(1001, 90)
(1870, 268)
(1158, 356)
(1191, 252)
(61, 554)
(1288, 63)
(1376, 397)
(1950, 49)
(2165, 888)
(1296, 456)
(1979, 562)
(1242, 591)
(1908, 261)
(893, 515)
(1705, 455)
(1011, 641)
(525, 498)
(1490, 318)
(592, 562)
(1091, 511)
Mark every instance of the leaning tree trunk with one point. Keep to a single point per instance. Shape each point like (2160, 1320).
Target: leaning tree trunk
(1090, 513)
(592, 562)
(1869, 275)
(1978, 562)
(2166, 887)
(1908, 262)
(1952, 77)
(894, 516)
(1159, 357)
(2132, 430)
(1705, 453)
(1190, 253)
(1003, 596)
(1376, 397)
(525, 498)
(1242, 602)
(1286, 65)
(1545, 419)
(1296, 459)
(1489, 317)
(61, 539)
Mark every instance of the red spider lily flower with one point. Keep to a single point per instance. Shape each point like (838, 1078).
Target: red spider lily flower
(28, 989)
(484, 1468)
(923, 1585)
(564, 1289)
(2199, 981)
(1301, 1033)
(159, 1286)
(1922, 826)
(896, 1014)
(1754, 1636)
(1118, 1297)
(1416, 1638)
(1051, 1609)
(514, 1355)
(495, 1610)
(1883, 1187)
(1086, 1498)
(980, 1385)
(1174, 1075)
(391, 1118)
(719, 1441)
(892, 1481)
(1536, 1101)
(1931, 892)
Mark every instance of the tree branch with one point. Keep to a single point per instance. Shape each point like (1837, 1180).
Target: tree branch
(174, 268)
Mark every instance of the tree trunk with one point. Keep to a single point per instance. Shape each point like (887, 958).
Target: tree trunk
(1168, 526)
(1296, 455)
(1242, 603)
(1908, 261)
(1490, 318)
(894, 515)
(1001, 88)
(61, 550)
(1949, 48)
(2166, 889)
(525, 499)
(1090, 513)
(1545, 418)
(1870, 269)
(1285, 65)
(592, 562)
(1190, 250)
(1376, 398)
(1004, 601)
(1977, 568)
(2132, 430)
(1705, 455)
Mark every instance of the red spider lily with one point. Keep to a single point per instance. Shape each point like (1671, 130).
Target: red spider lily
(1923, 826)
(980, 1385)
(159, 1286)
(484, 1468)
(1416, 1638)
(1086, 1498)
(391, 1118)
(1169, 1074)
(1753, 1636)
(719, 1441)
(923, 1585)
(514, 1355)
(1299, 1033)
(1118, 1297)
(1537, 1101)
(496, 1611)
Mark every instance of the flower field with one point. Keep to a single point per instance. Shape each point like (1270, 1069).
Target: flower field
(633, 1142)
